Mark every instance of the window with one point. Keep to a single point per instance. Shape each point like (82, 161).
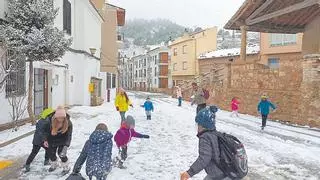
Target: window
(113, 81)
(155, 71)
(136, 73)
(144, 73)
(175, 66)
(282, 39)
(175, 52)
(184, 49)
(155, 81)
(185, 65)
(67, 16)
(273, 63)
(145, 62)
(155, 59)
(16, 84)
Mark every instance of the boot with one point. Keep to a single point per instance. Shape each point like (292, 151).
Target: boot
(46, 162)
(27, 167)
(54, 165)
(150, 117)
(121, 166)
(65, 168)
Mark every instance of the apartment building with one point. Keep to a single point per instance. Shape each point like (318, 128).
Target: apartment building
(185, 51)
(158, 63)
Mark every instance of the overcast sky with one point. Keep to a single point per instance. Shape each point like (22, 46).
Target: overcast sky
(191, 13)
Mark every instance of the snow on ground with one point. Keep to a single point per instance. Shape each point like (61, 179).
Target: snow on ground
(9, 134)
(280, 152)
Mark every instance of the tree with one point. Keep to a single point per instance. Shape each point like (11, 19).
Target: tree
(19, 106)
(30, 32)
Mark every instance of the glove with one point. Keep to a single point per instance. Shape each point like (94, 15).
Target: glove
(63, 153)
(146, 136)
(117, 108)
(184, 176)
(131, 105)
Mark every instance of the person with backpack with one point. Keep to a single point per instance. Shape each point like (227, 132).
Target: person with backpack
(56, 135)
(199, 97)
(210, 158)
(38, 140)
(264, 110)
(148, 107)
(122, 103)
(179, 95)
(97, 153)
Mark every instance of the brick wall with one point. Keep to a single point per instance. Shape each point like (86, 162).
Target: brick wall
(294, 87)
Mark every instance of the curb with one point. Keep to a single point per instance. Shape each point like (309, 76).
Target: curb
(4, 164)
(16, 139)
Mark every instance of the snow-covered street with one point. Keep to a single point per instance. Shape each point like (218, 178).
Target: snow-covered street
(280, 152)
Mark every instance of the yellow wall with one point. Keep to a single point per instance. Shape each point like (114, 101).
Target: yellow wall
(206, 40)
(266, 48)
(196, 44)
(109, 46)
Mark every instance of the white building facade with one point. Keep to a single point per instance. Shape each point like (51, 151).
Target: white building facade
(76, 78)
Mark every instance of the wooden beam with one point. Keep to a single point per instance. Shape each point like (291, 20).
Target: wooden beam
(260, 9)
(270, 28)
(287, 10)
(243, 53)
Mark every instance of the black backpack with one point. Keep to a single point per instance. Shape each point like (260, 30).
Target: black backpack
(233, 158)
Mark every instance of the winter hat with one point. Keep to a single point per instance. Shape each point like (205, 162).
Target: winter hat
(60, 112)
(207, 118)
(130, 121)
(148, 98)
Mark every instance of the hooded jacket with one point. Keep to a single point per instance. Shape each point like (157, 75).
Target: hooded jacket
(121, 103)
(97, 152)
(234, 105)
(43, 133)
(124, 135)
(148, 105)
(208, 156)
(264, 107)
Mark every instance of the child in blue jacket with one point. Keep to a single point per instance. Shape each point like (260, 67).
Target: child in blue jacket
(97, 152)
(148, 106)
(264, 109)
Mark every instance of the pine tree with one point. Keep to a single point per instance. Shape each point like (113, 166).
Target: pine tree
(29, 31)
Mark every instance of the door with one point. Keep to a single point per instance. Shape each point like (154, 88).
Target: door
(40, 90)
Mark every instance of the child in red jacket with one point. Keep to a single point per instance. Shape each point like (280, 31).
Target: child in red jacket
(235, 107)
(123, 137)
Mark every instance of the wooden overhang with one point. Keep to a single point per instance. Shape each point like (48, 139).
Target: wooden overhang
(121, 14)
(275, 16)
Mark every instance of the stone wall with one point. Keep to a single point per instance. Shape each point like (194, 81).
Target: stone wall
(294, 87)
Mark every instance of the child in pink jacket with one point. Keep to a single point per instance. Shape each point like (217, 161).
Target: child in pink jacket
(235, 107)
(123, 137)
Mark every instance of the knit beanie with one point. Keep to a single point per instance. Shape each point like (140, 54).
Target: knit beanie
(60, 112)
(130, 121)
(206, 118)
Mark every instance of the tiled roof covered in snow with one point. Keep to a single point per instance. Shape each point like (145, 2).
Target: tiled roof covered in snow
(229, 52)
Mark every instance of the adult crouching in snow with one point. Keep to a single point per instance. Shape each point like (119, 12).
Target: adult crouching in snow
(122, 103)
(57, 135)
(198, 97)
(97, 152)
(208, 147)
